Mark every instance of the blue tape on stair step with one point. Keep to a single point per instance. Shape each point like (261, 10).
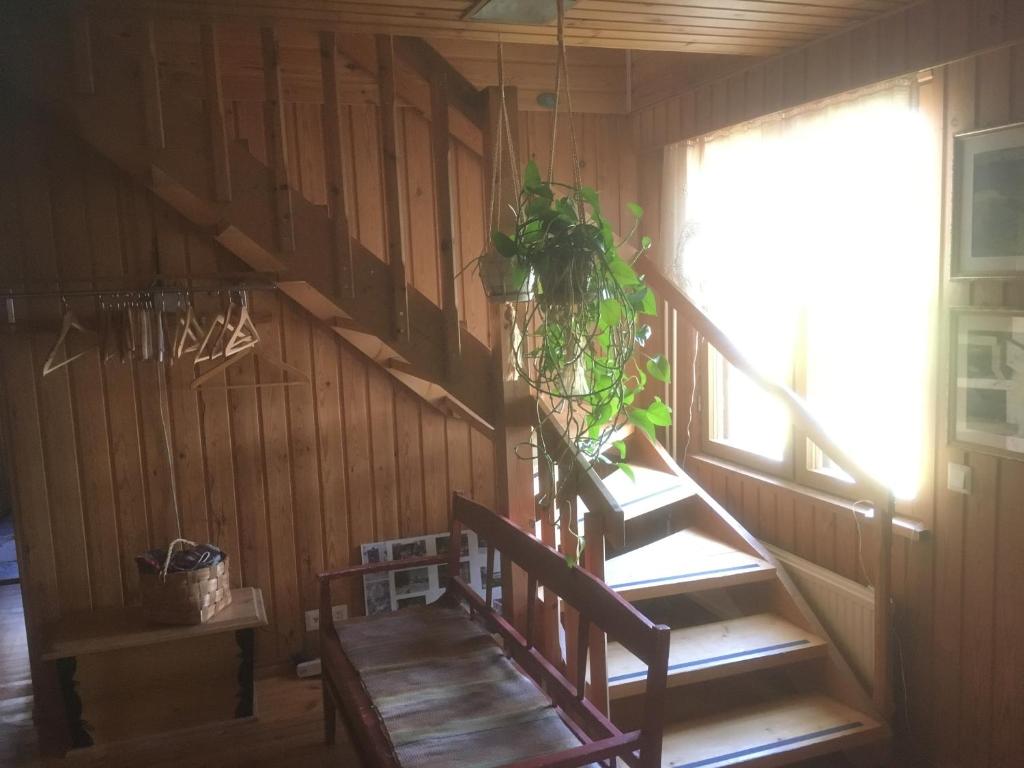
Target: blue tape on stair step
(772, 745)
(711, 660)
(660, 579)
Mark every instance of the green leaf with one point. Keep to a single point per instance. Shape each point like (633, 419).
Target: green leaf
(659, 413)
(538, 206)
(643, 334)
(531, 176)
(638, 417)
(660, 368)
(589, 195)
(610, 312)
(620, 446)
(627, 470)
(505, 245)
(645, 242)
(623, 273)
(635, 209)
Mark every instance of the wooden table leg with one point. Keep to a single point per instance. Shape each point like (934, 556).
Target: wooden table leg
(246, 639)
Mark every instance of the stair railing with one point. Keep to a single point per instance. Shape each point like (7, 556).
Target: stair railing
(881, 497)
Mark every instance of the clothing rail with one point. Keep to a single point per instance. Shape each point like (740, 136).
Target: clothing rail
(881, 497)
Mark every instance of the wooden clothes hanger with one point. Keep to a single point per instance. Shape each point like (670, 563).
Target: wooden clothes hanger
(200, 381)
(69, 323)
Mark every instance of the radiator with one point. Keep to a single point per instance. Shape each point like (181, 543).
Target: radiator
(844, 607)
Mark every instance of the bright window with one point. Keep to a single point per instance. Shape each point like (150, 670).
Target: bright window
(811, 239)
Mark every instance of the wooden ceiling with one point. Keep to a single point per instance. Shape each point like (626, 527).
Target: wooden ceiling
(737, 27)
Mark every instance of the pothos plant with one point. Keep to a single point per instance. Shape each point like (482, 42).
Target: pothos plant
(581, 347)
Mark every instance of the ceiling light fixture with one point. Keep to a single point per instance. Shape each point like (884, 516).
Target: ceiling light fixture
(516, 11)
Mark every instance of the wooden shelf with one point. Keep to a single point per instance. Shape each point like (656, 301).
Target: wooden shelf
(115, 629)
(687, 561)
(718, 649)
(769, 734)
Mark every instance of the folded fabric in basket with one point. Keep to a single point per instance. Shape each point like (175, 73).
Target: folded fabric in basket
(200, 556)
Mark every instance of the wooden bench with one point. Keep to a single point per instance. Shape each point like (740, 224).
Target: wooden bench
(431, 687)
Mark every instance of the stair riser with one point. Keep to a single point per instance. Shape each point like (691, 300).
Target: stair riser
(727, 578)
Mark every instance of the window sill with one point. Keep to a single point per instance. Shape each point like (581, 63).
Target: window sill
(905, 527)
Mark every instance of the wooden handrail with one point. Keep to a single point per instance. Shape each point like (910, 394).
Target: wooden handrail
(589, 486)
(881, 497)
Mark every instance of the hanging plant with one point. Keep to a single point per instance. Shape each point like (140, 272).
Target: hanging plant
(581, 348)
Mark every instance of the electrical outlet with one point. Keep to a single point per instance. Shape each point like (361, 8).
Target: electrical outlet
(958, 478)
(338, 613)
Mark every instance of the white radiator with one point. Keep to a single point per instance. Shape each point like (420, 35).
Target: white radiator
(844, 607)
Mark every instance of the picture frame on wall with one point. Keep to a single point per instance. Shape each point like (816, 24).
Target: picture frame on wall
(987, 390)
(988, 203)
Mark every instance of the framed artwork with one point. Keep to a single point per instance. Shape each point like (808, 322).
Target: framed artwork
(385, 592)
(987, 400)
(988, 178)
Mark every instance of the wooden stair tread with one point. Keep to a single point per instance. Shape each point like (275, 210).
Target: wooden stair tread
(770, 734)
(717, 649)
(650, 491)
(686, 561)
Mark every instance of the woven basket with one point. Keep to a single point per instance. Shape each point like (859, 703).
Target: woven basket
(187, 597)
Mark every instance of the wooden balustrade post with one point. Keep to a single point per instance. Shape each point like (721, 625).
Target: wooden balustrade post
(593, 561)
(391, 152)
(341, 263)
(441, 146)
(277, 145)
(215, 114)
(514, 476)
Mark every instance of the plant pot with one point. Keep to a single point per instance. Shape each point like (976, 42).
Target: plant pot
(564, 283)
(505, 280)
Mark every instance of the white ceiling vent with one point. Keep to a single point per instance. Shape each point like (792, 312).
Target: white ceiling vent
(516, 11)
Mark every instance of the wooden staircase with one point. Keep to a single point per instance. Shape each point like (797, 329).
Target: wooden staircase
(106, 87)
(753, 678)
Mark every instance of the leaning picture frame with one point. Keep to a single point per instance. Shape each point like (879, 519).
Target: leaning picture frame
(987, 380)
(988, 203)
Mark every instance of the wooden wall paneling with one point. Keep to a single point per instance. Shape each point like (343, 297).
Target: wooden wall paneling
(987, 25)
(922, 35)
(767, 505)
(276, 139)
(773, 85)
(785, 525)
(976, 643)
(409, 463)
(803, 521)
(382, 436)
(419, 206)
(277, 456)
(335, 141)
(331, 438)
(310, 157)
(369, 190)
(460, 461)
(218, 129)
(358, 449)
(482, 451)
(149, 77)
(825, 535)
(441, 157)
(794, 79)
(306, 481)
(819, 74)
(436, 494)
(751, 513)
(183, 406)
(892, 45)
(124, 417)
(88, 384)
(471, 238)
(1007, 705)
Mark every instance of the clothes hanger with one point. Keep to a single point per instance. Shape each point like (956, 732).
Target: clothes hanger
(188, 334)
(245, 336)
(205, 350)
(300, 377)
(68, 324)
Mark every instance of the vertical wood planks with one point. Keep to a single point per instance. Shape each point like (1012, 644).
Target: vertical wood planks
(440, 150)
(391, 153)
(334, 138)
(82, 68)
(215, 113)
(149, 72)
(277, 143)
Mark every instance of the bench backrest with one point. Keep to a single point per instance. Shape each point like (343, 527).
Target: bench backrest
(596, 604)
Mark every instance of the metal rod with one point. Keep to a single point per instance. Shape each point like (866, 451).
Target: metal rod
(7, 293)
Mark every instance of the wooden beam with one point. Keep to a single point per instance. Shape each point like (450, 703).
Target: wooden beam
(276, 143)
(215, 113)
(149, 73)
(334, 157)
(441, 149)
(428, 63)
(391, 151)
(83, 73)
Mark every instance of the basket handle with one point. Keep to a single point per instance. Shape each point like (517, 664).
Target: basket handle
(170, 553)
